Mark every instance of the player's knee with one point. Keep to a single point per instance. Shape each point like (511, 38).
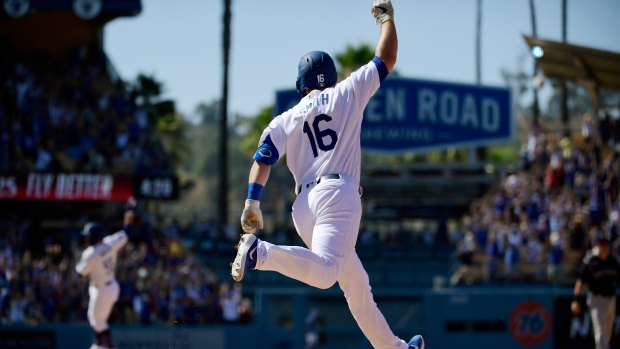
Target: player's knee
(330, 274)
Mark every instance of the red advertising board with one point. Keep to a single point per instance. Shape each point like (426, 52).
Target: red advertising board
(65, 187)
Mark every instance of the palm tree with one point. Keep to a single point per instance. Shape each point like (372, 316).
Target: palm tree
(148, 88)
(354, 57)
(169, 125)
(255, 127)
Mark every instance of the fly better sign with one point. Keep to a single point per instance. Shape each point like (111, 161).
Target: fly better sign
(408, 115)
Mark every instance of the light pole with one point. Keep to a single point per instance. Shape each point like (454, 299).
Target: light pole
(564, 105)
(223, 188)
(478, 43)
(535, 109)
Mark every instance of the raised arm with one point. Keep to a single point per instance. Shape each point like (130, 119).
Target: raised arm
(387, 46)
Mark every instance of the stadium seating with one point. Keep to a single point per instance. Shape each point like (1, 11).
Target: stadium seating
(543, 213)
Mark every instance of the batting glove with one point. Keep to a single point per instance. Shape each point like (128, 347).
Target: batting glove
(382, 11)
(252, 217)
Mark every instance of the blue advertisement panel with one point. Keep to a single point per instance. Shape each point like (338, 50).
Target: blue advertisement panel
(490, 318)
(408, 115)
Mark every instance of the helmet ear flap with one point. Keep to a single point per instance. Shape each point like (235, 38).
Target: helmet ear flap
(300, 89)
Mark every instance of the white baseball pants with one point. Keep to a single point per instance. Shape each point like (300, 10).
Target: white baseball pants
(100, 305)
(327, 218)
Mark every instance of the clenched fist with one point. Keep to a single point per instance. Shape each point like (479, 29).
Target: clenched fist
(252, 217)
(382, 10)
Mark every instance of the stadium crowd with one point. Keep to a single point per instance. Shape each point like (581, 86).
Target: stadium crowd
(67, 115)
(536, 224)
(162, 282)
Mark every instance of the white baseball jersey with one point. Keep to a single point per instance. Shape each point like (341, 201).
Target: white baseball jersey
(321, 134)
(98, 262)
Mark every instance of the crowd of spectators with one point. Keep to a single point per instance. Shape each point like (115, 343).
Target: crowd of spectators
(66, 114)
(536, 223)
(161, 281)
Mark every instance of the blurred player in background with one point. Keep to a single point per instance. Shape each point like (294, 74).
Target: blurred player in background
(321, 138)
(600, 273)
(98, 263)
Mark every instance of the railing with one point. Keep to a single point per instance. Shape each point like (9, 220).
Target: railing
(464, 317)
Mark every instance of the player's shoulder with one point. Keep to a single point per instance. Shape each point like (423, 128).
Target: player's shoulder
(370, 66)
(361, 75)
(88, 252)
(287, 114)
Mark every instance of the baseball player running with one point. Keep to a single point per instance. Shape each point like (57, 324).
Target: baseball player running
(321, 136)
(98, 262)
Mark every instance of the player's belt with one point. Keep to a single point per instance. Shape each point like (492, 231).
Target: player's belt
(317, 181)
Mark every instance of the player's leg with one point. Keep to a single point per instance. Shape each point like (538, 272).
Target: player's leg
(93, 294)
(327, 220)
(597, 314)
(356, 286)
(101, 310)
(105, 338)
(610, 315)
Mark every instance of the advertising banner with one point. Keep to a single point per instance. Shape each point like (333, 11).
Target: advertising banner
(488, 319)
(409, 115)
(86, 187)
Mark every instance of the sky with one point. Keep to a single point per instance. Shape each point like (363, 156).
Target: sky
(180, 42)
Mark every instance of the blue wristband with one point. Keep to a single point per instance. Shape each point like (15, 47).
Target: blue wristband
(255, 191)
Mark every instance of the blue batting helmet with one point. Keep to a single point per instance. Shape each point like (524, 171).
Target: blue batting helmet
(93, 231)
(316, 70)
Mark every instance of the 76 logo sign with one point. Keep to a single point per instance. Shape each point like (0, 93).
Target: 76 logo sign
(530, 323)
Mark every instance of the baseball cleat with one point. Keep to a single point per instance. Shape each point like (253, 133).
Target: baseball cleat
(417, 342)
(246, 256)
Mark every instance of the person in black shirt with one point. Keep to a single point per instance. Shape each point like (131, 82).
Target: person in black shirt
(600, 272)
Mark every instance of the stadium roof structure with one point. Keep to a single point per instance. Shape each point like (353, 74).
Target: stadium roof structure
(58, 26)
(84, 9)
(591, 67)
